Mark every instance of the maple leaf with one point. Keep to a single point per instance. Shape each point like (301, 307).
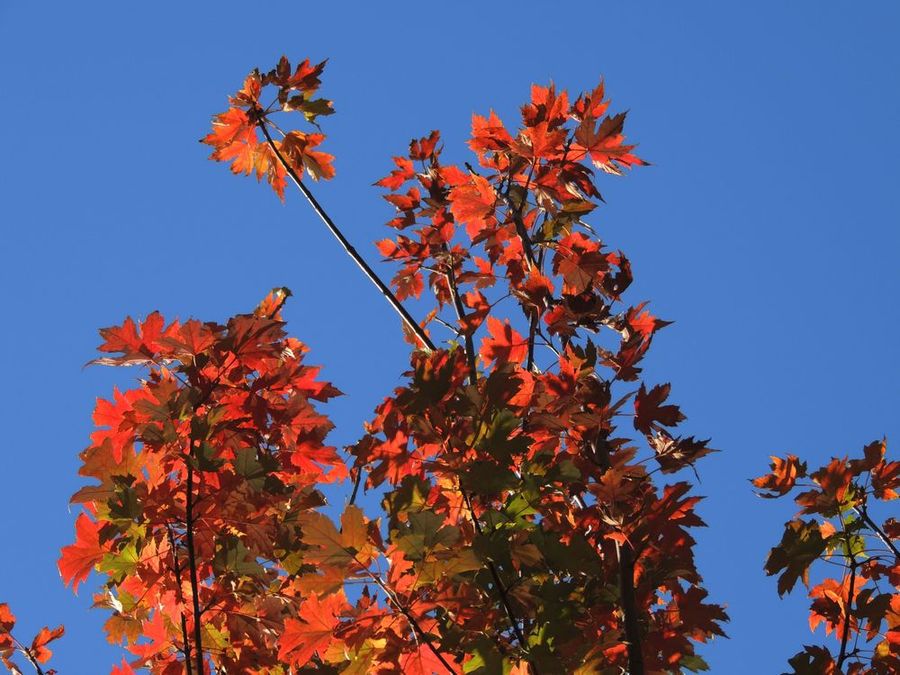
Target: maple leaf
(580, 262)
(426, 147)
(123, 669)
(800, 546)
(647, 408)
(398, 176)
(591, 105)
(504, 344)
(297, 148)
(782, 478)
(234, 139)
(39, 648)
(605, 144)
(641, 322)
(7, 623)
(270, 307)
(137, 344)
(489, 134)
(349, 547)
(421, 661)
(473, 203)
(313, 632)
(813, 660)
(77, 560)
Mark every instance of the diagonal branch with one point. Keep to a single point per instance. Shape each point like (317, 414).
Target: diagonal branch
(26, 652)
(411, 323)
(878, 531)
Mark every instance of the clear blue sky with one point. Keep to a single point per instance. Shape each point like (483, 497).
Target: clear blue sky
(767, 229)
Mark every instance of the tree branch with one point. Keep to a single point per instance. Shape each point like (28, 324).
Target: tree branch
(878, 531)
(192, 564)
(848, 611)
(629, 609)
(26, 652)
(417, 330)
(176, 567)
(501, 588)
(412, 621)
(411, 323)
(473, 378)
(460, 316)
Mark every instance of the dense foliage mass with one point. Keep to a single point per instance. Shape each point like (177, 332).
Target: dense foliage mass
(536, 508)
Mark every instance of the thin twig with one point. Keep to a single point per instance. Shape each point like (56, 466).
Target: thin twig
(460, 316)
(412, 621)
(28, 655)
(411, 323)
(878, 531)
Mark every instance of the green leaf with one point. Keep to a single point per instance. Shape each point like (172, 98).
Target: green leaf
(486, 660)
(232, 556)
(800, 546)
(250, 468)
(693, 663)
(121, 563)
(206, 458)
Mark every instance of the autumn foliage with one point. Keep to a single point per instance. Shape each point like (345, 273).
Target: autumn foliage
(857, 597)
(36, 653)
(536, 505)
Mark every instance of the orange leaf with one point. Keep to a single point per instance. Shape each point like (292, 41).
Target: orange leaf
(78, 559)
(313, 633)
(473, 204)
(39, 645)
(784, 475)
(504, 345)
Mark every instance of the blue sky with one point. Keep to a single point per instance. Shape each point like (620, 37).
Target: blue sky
(767, 229)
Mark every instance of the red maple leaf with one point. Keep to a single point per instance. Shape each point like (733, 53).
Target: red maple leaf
(473, 204)
(39, 645)
(505, 344)
(606, 144)
(77, 560)
(647, 408)
(313, 632)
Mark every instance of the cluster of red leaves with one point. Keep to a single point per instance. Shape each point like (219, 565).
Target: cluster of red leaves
(203, 518)
(36, 653)
(564, 549)
(235, 135)
(205, 476)
(860, 608)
